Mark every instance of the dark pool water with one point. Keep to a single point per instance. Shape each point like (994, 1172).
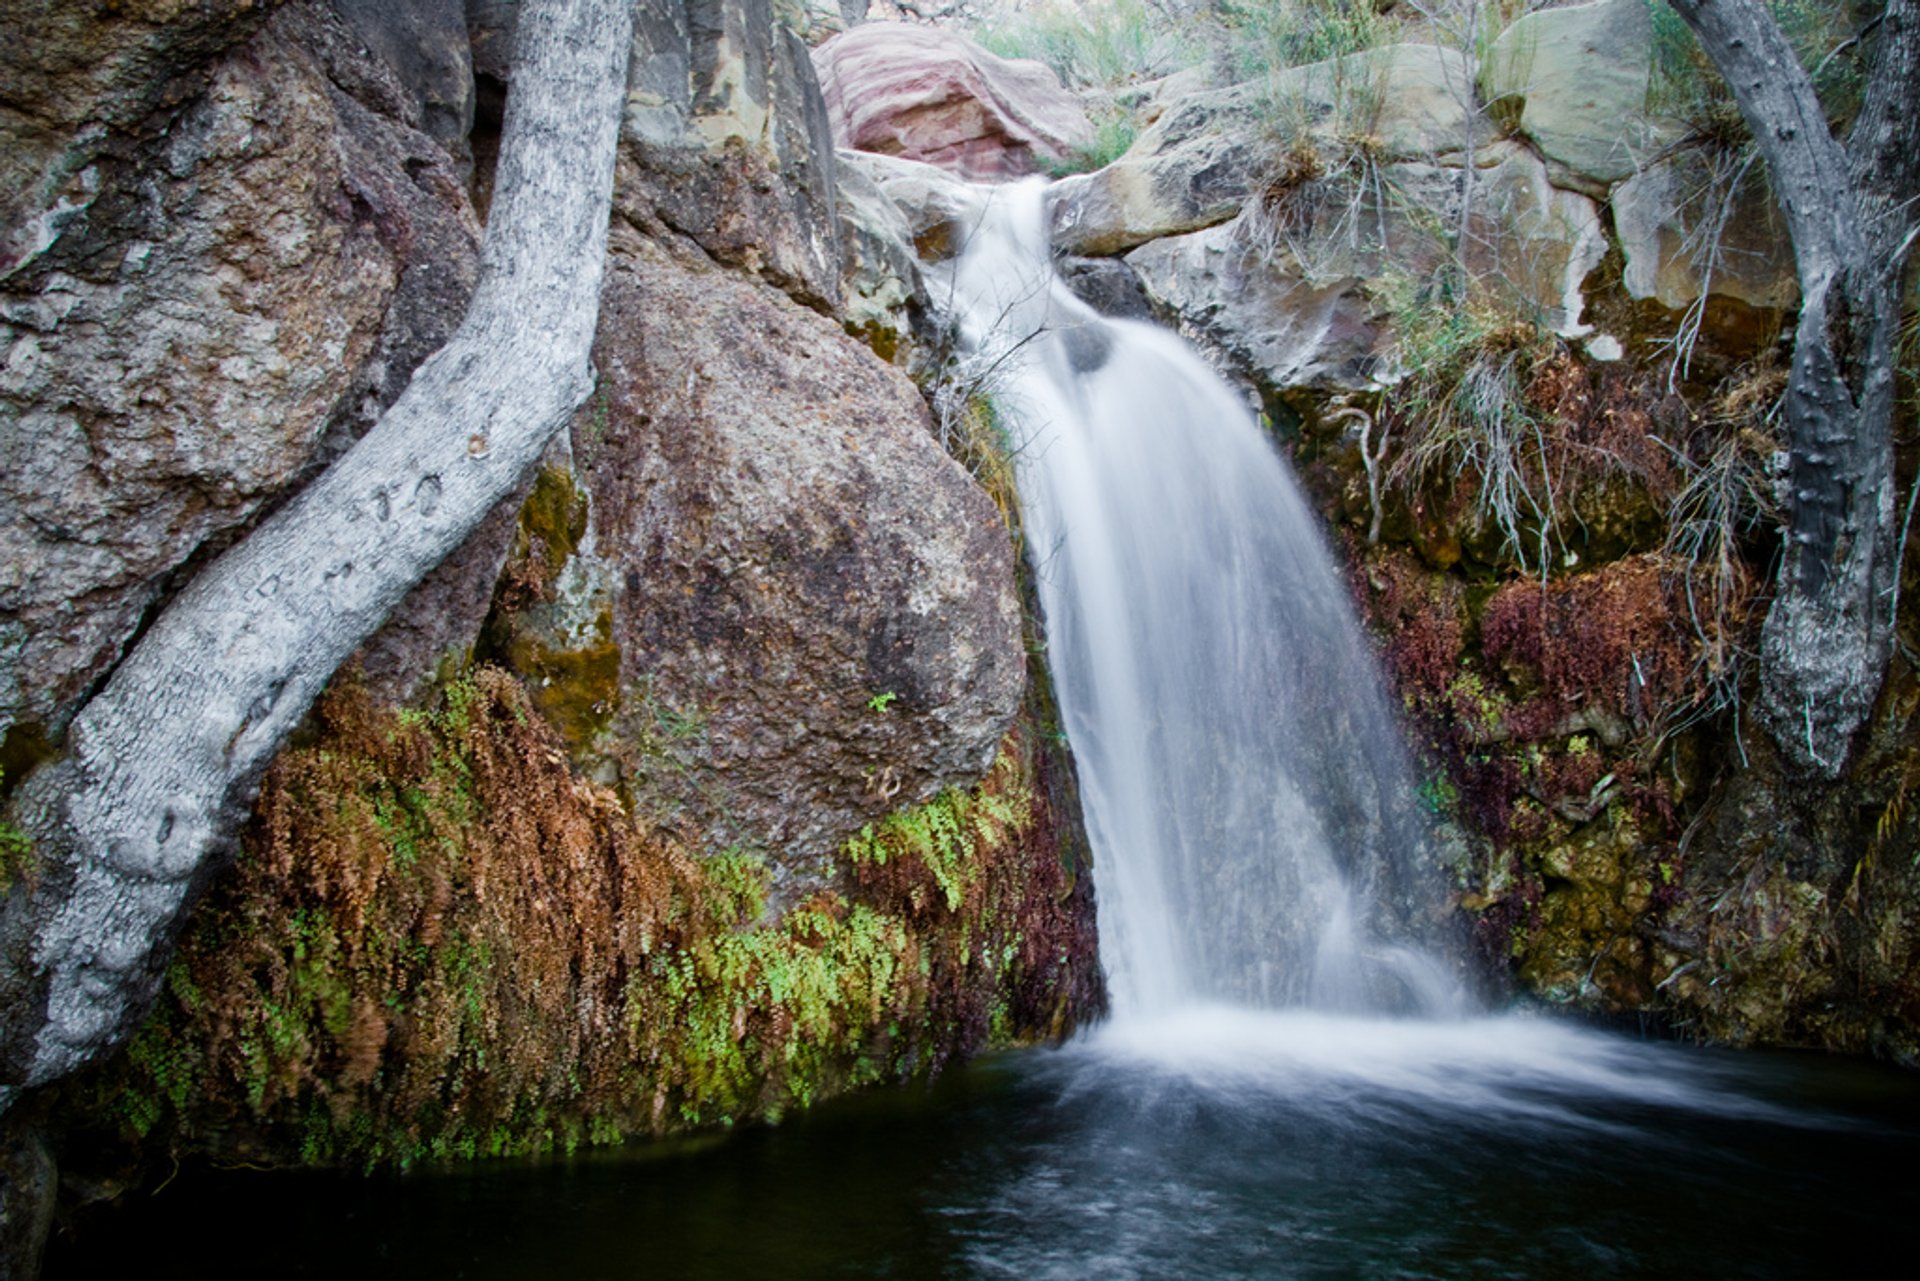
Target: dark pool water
(1215, 1144)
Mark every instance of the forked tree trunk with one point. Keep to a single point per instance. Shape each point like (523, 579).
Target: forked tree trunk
(1827, 638)
(161, 766)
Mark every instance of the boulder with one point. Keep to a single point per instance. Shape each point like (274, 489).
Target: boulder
(881, 276)
(76, 79)
(1270, 320)
(933, 95)
(1665, 217)
(246, 293)
(787, 611)
(1580, 76)
(1193, 168)
(1109, 286)
(1199, 161)
(425, 43)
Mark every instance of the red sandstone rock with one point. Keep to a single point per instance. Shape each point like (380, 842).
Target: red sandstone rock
(931, 95)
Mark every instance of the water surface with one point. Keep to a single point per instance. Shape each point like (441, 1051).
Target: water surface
(1214, 1143)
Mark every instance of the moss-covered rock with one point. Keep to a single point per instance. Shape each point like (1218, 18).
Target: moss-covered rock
(441, 942)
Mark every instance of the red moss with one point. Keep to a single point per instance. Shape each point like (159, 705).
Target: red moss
(1608, 639)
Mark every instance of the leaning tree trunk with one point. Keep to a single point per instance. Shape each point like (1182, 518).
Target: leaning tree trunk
(1827, 638)
(161, 766)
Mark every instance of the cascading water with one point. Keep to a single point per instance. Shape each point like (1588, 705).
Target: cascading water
(1255, 848)
(1255, 835)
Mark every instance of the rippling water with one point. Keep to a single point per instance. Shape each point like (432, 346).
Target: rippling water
(1213, 1143)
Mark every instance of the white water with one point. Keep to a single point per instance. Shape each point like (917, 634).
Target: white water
(1255, 838)
(1265, 884)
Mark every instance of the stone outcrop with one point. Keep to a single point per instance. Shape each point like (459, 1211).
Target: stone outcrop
(77, 83)
(1688, 229)
(1270, 320)
(1293, 290)
(792, 611)
(928, 94)
(245, 294)
(1194, 168)
(1536, 240)
(1578, 78)
(1199, 162)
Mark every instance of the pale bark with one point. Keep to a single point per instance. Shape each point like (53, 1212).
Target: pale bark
(1827, 638)
(161, 766)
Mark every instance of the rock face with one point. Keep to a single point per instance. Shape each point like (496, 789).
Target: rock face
(1269, 319)
(932, 95)
(1292, 290)
(798, 610)
(245, 291)
(425, 42)
(1538, 240)
(1688, 229)
(730, 142)
(1580, 77)
(76, 82)
(1199, 162)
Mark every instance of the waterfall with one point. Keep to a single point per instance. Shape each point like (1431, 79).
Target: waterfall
(1256, 836)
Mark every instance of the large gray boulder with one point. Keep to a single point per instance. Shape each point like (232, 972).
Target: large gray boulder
(787, 611)
(245, 294)
(933, 95)
(1580, 76)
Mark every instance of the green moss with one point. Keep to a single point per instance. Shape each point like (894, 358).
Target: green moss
(440, 944)
(556, 514)
(16, 852)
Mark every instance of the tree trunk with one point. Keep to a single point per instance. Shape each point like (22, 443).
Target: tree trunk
(1826, 641)
(162, 765)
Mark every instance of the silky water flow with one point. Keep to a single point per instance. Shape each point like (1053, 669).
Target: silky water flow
(1272, 906)
(1257, 840)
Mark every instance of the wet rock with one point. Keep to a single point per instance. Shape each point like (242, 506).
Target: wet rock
(1679, 217)
(932, 95)
(1578, 77)
(1109, 286)
(813, 606)
(244, 297)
